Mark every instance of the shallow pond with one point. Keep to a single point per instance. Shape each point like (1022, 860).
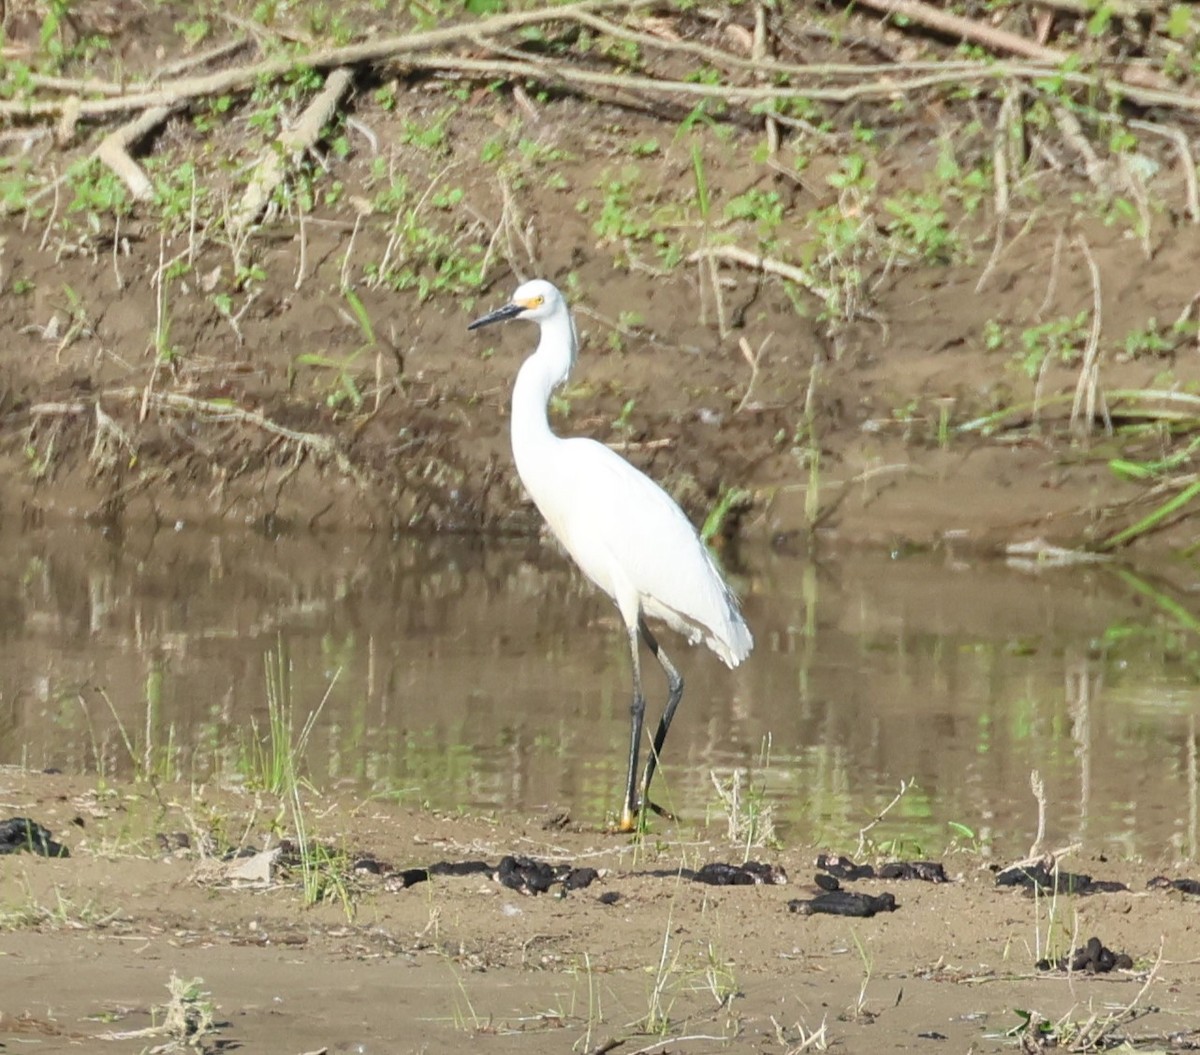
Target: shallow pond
(488, 675)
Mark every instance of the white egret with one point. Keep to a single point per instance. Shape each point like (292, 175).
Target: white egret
(624, 531)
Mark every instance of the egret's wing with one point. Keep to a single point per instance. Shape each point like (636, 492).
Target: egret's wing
(626, 532)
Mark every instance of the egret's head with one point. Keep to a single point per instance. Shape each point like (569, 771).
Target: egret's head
(536, 300)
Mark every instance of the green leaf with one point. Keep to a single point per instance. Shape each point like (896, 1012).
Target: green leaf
(1179, 21)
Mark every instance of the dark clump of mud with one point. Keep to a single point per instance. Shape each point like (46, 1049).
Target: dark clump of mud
(19, 834)
(1049, 879)
(1093, 958)
(844, 903)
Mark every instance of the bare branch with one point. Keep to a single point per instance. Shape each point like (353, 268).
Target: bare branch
(292, 143)
(114, 150)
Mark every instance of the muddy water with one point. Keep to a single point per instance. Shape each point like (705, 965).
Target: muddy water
(486, 675)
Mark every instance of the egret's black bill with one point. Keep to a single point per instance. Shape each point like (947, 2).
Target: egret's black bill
(509, 311)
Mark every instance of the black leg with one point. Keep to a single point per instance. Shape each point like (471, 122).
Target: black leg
(674, 695)
(637, 713)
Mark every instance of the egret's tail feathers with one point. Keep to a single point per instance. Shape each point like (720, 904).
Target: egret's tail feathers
(727, 635)
(739, 646)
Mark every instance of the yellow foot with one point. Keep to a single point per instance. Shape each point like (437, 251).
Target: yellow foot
(628, 821)
(629, 818)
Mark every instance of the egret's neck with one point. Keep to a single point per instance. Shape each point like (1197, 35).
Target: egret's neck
(538, 377)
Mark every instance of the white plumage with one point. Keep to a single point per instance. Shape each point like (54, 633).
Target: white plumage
(624, 531)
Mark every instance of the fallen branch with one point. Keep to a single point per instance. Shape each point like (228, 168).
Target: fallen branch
(113, 150)
(735, 255)
(1000, 39)
(783, 81)
(292, 143)
(322, 446)
(203, 58)
(1072, 132)
(1087, 8)
(966, 29)
(242, 78)
(1177, 136)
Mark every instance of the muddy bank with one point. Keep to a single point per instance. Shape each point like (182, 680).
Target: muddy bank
(237, 434)
(167, 361)
(645, 955)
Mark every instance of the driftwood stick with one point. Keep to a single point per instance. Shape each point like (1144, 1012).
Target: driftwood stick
(1087, 8)
(967, 29)
(1187, 162)
(1130, 78)
(1072, 131)
(76, 85)
(114, 150)
(190, 62)
(270, 170)
(733, 254)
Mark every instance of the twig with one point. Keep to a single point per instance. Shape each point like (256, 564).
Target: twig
(25, 136)
(1087, 389)
(410, 51)
(1052, 284)
(203, 58)
(75, 85)
(965, 28)
(658, 1045)
(269, 172)
(735, 255)
(1177, 136)
(1087, 8)
(38, 410)
(1000, 150)
(753, 358)
(113, 150)
(323, 446)
(759, 56)
(869, 88)
(1072, 132)
(1039, 793)
(905, 786)
(1132, 79)
(1087, 1042)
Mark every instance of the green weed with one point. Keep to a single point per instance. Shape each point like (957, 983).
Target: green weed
(622, 422)
(189, 1016)
(430, 136)
(664, 989)
(729, 501)
(194, 31)
(344, 388)
(1059, 340)
(920, 229)
(19, 183)
(859, 1009)
(762, 208)
(426, 251)
(272, 759)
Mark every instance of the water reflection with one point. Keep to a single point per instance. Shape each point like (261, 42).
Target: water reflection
(486, 674)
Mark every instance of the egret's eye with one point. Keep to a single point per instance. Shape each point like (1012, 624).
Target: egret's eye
(537, 302)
